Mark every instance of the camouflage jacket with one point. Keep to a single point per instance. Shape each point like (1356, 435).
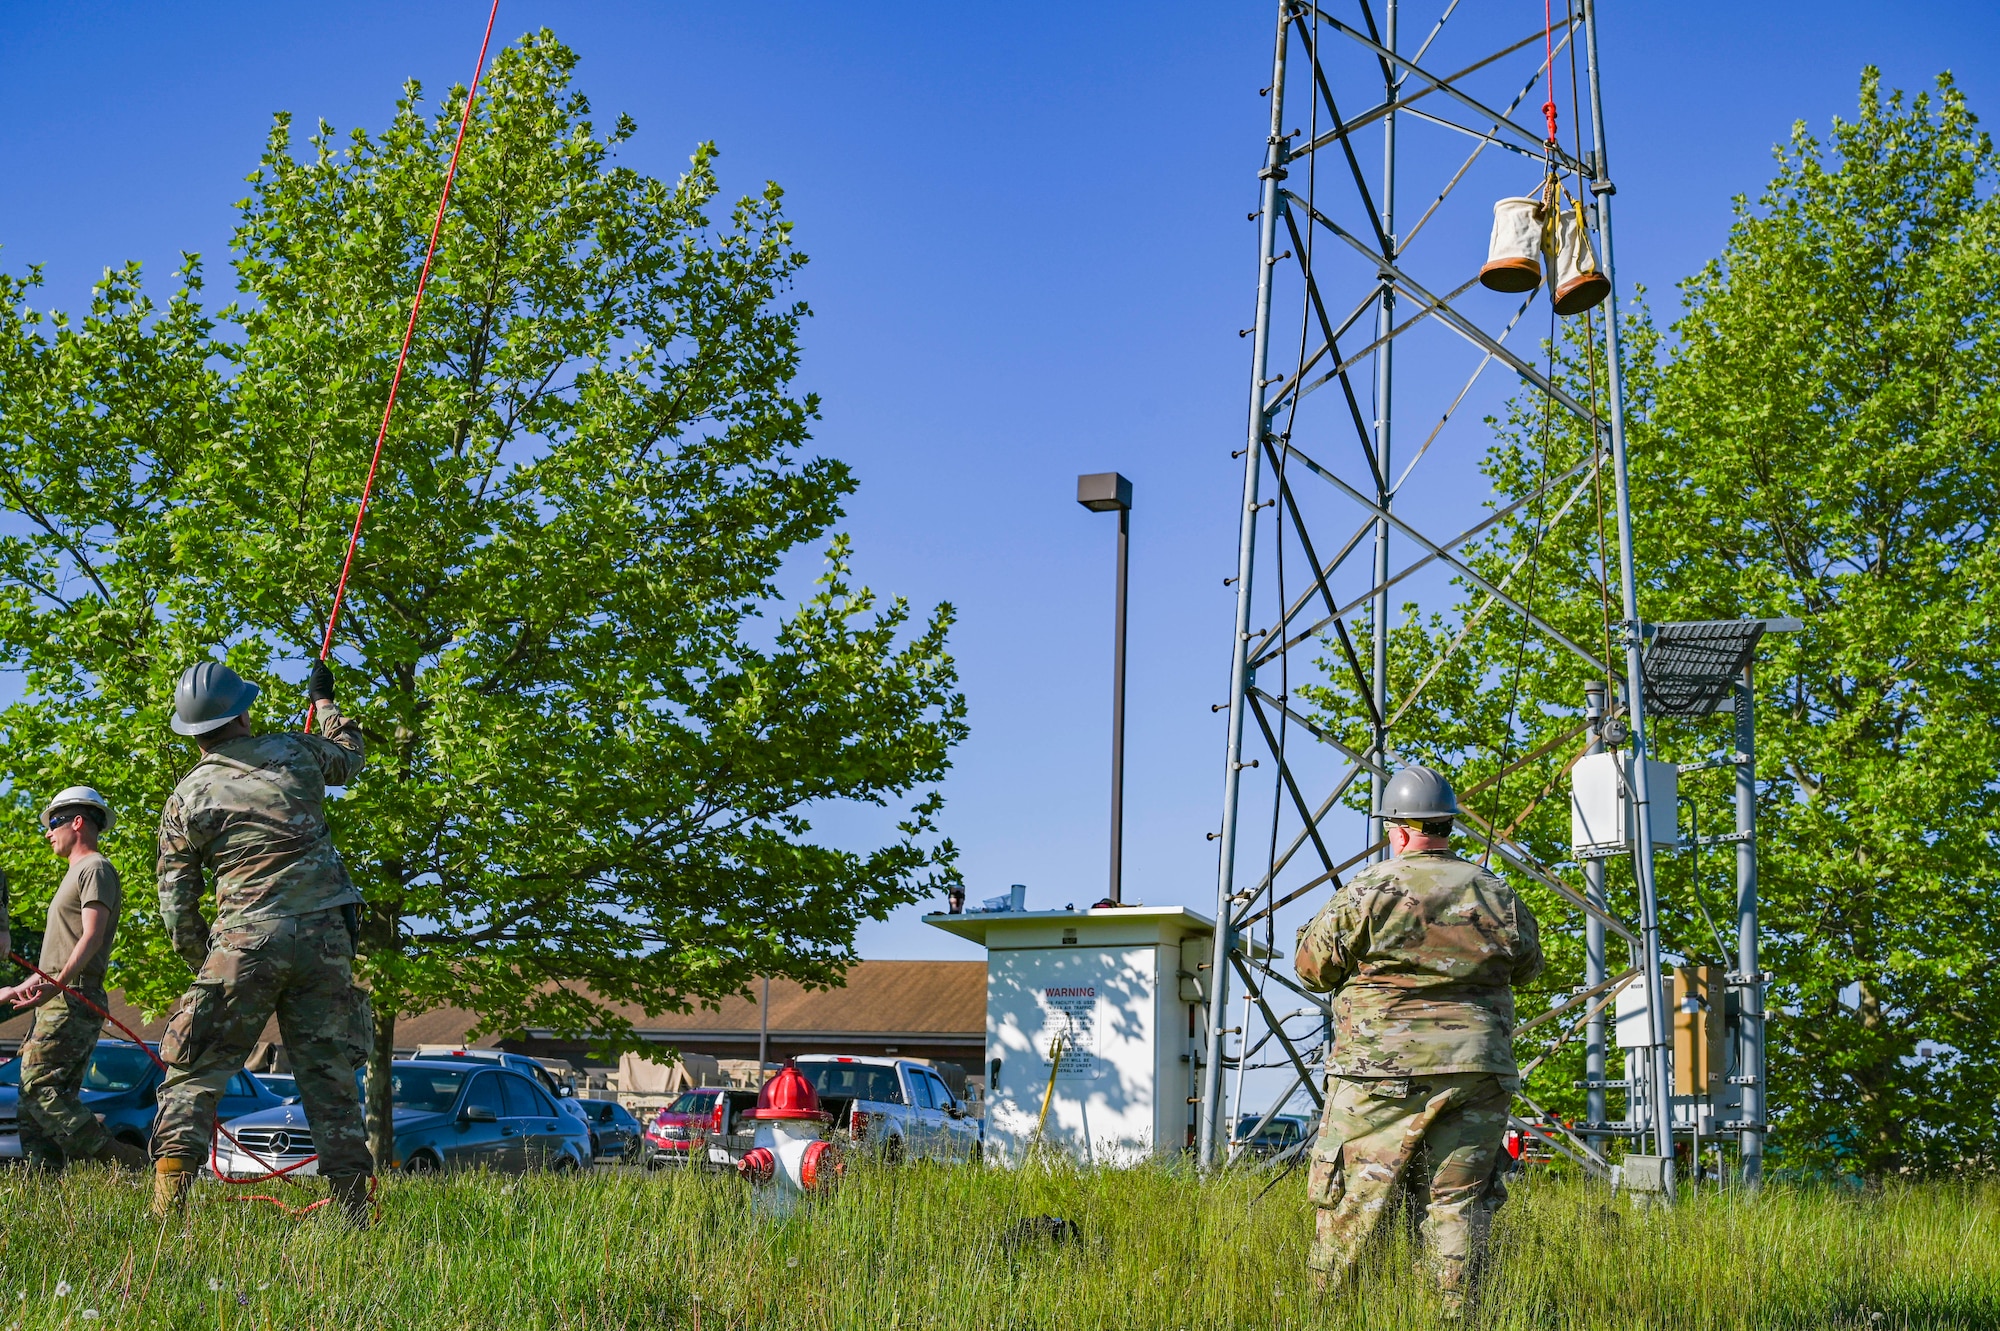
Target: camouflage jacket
(253, 812)
(1420, 953)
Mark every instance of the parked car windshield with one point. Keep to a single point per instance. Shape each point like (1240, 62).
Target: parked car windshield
(1277, 1130)
(693, 1102)
(10, 1072)
(862, 1081)
(432, 1089)
(116, 1067)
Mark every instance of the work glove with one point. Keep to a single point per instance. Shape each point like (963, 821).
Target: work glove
(319, 682)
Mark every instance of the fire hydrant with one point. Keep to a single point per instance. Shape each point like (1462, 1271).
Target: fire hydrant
(789, 1159)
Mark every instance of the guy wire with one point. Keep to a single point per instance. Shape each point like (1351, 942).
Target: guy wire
(1596, 424)
(1540, 507)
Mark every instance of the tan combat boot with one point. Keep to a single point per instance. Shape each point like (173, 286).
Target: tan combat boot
(350, 1199)
(172, 1178)
(124, 1155)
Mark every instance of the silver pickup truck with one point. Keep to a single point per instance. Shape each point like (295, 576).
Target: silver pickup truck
(893, 1106)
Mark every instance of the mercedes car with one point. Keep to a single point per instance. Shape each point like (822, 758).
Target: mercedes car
(447, 1115)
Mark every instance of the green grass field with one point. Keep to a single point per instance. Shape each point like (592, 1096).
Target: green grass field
(923, 1247)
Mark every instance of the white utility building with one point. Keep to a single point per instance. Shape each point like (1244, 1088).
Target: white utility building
(1123, 990)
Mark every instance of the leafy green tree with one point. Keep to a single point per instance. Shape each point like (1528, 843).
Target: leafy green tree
(592, 765)
(1816, 439)
(102, 419)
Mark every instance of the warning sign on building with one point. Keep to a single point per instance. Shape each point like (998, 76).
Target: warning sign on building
(1071, 1012)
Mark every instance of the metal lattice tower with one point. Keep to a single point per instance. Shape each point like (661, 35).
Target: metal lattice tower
(1381, 305)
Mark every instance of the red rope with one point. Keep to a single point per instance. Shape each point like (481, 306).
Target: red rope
(333, 620)
(409, 335)
(333, 616)
(1548, 67)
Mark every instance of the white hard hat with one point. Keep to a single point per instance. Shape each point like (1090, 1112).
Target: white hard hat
(78, 797)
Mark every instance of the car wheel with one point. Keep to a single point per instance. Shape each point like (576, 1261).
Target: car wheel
(563, 1164)
(422, 1163)
(894, 1151)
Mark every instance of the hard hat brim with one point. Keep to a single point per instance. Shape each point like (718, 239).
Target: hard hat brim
(243, 702)
(110, 818)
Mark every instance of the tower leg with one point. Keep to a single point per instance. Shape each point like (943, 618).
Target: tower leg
(1210, 1137)
(1659, 1072)
(1385, 396)
(1749, 983)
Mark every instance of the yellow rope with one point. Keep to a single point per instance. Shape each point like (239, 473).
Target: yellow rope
(1048, 1096)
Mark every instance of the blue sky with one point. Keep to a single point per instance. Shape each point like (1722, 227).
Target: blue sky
(1029, 260)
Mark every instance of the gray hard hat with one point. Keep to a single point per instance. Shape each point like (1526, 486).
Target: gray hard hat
(1418, 795)
(77, 797)
(209, 697)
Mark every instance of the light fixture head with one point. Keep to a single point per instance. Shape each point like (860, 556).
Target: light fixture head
(1104, 492)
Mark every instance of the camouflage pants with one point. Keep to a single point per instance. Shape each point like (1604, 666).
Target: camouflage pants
(302, 968)
(1372, 1132)
(54, 1124)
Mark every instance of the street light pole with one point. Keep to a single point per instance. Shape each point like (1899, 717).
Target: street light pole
(1105, 492)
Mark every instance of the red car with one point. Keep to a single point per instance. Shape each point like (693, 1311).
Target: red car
(700, 1127)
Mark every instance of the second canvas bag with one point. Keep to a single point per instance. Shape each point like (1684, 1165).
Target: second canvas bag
(1575, 279)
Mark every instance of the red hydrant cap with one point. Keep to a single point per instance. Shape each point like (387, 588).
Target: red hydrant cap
(821, 1166)
(758, 1166)
(788, 1096)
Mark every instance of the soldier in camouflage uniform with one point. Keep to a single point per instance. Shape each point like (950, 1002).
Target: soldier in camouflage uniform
(252, 812)
(1420, 953)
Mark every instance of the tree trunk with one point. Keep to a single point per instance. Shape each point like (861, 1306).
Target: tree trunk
(382, 928)
(1879, 1115)
(381, 1128)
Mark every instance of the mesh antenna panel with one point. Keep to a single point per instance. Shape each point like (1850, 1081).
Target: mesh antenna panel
(1692, 667)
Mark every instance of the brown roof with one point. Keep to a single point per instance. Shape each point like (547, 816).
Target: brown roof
(901, 997)
(18, 1024)
(883, 998)
(910, 998)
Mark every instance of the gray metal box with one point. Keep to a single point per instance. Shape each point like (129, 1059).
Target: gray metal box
(1601, 814)
(1645, 1173)
(1633, 1029)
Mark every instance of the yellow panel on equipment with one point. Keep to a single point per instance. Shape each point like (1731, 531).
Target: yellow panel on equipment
(1696, 999)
